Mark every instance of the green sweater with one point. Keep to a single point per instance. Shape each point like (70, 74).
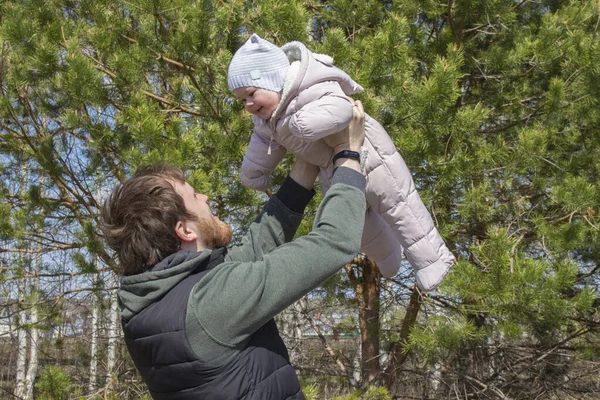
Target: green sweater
(265, 274)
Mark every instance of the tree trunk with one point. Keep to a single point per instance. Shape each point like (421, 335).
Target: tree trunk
(113, 336)
(20, 388)
(34, 349)
(94, 345)
(21, 343)
(357, 366)
(397, 355)
(367, 293)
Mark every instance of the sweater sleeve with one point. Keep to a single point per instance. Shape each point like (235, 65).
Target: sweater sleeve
(276, 224)
(236, 299)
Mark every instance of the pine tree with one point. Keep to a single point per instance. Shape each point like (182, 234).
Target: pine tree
(493, 105)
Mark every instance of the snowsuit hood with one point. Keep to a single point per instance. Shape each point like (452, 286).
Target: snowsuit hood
(312, 68)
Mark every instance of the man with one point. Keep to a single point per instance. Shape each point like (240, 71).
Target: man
(198, 319)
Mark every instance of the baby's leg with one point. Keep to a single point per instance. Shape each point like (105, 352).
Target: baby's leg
(392, 194)
(378, 240)
(380, 244)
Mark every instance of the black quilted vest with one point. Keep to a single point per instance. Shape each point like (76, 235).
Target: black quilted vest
(160, 349)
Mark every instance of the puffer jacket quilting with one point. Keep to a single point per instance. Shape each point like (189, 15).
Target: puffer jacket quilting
(315, 104)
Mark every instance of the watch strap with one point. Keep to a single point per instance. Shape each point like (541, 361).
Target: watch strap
(347, 154)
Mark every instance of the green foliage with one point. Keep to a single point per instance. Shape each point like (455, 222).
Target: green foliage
(517, 290)
(442, 334)
(54, 384)
(492, 104)
(372, 393)
(311, 392)
(6, 229)
(346, 327)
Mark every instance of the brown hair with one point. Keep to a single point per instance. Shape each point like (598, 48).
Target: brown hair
(138, 219)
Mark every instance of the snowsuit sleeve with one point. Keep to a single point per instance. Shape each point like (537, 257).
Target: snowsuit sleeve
(258, 164)
(319, 118)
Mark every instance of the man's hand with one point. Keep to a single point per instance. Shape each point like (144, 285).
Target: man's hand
(350, 138)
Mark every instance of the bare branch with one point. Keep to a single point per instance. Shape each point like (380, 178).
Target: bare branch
(43, 250)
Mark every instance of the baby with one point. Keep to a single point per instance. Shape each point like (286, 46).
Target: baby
(296, 98)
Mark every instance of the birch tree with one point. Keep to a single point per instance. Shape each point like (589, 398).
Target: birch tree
(34, 339)
(95, 329)
(21, 367)
(113, 337)
(22, 304)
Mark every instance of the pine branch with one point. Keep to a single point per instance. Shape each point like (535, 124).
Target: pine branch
(581, 277)
(43, 250)
(207, 101)
(177, 64)
(24, 100)
(397, 353)
(49, 301)
(514, 123)
(189, 70)
(179, 108)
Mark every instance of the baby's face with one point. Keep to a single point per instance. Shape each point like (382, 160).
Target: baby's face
(260, 102)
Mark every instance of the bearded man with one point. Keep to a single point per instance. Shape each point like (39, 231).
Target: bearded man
(198, 318)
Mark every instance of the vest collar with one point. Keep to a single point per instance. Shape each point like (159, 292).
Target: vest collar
(138, 291)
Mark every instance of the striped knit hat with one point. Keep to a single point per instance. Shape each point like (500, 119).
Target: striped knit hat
(258, 63)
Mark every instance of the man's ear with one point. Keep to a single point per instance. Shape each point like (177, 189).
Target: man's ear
(184, 232)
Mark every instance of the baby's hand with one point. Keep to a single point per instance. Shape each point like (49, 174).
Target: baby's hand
(351, 137)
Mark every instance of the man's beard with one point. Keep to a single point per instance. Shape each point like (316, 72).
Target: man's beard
(214, 233)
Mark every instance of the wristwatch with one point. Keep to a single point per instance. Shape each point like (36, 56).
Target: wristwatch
(347, 154)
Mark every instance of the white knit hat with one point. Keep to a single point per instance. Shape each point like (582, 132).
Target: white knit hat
(258, 63)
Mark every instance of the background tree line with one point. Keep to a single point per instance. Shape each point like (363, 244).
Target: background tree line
(493, 104)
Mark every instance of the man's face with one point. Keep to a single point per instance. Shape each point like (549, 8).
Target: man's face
(211, 231)
(260, 102)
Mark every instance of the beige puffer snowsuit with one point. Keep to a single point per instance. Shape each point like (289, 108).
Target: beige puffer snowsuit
(315, 104)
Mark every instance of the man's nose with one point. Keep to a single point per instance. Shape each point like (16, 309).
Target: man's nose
(203, 198)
